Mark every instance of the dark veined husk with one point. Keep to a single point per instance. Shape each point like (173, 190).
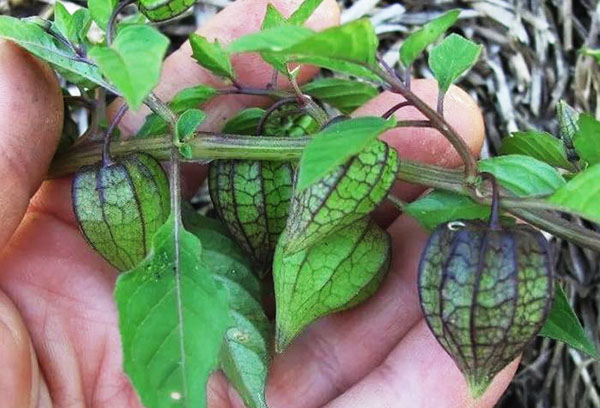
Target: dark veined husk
(485, 293)
(161, 10)
(253, 197)
(120, 206)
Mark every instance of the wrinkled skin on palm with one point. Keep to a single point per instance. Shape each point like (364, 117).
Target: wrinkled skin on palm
(120, 206)
(253, 197)
(485, 293)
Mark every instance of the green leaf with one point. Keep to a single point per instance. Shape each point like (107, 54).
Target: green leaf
(73, 27)
(81, 23)
(187, 124)
(245, 353)
(185, 150)
(172, 318)
(132, 19)
(563, 325)
(62, 19)
(416, 43)
(568, 126)
(539, 145)
(220, 252)
(587, 138)
(440, 206)
(100, 11)
(343, 196)
(193, 97)
(523, 175)
(452, 58)
(581, 194)
(245, 122)
(211, 56)
(272, 39)
(336, 274)
(133, 62)
(335, 144)
(185, 99)
(594, 53)
(336, 65)
(153, 126)
(273, 18)
(354, 42)
(304, 11)
(349, 48)
(34, 39)
(343, 94)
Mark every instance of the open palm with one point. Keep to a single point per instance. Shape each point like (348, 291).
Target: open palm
(59, 338)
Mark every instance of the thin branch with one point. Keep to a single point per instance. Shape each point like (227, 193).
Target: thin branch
(263, 120)
(395, 108)
(440, 103)
(242, 90)
(106, 159)
(157, 106)
(308, 104)
(80, 100)
(559, 227)
(111, 26)
(414, 124)
(495, 212)
(437, 122)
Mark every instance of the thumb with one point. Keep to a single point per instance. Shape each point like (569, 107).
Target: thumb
(31, 116)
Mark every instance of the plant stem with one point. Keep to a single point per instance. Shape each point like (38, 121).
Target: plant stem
(157, 106)
(437, 122)
(206, 145)
(111, 26)
(395, 108)
(495, 212)
(440, 102)
(559, 227)
(106, 159)
(431, 176)
(398, 202)
(241, 90)
(175, 184)
(265, 117)
(306, 102)
(413, 123)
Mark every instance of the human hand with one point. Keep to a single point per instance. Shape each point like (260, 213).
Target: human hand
(59, 338)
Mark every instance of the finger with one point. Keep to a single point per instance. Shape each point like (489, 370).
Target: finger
(30, 124)
(180, 70)
(419, 373)
(63, 290)
(19, 378)
(329, 350)
(31, 112)
(426, 145)
(340, 349)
